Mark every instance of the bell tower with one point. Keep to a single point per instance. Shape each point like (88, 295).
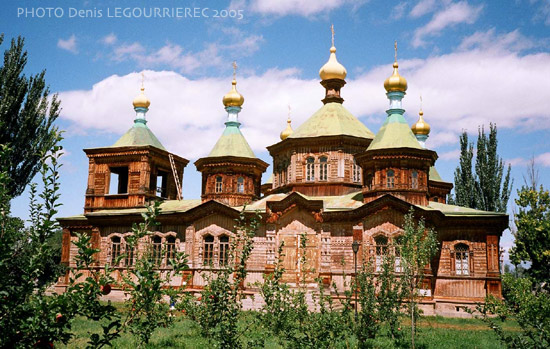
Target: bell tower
(134, 170)
(231, 173)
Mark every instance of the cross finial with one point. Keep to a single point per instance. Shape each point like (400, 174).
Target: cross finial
(142, 81)
(395, 46)
(420, 101)
(289, 110)
(332, 31)
(234, 69)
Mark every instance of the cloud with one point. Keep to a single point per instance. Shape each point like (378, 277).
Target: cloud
(187, 62)
(398, 10)
(450, 155)
(543, 11)
(109, 39)
(461, 90)
(449, 16)
(68, 45)
(422, 7)
(543, 159)
(304, 8)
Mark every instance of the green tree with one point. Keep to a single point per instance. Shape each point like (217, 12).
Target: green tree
(489, 187)
(26, 118)
(418, 245)
(464, 178)
(532, 235)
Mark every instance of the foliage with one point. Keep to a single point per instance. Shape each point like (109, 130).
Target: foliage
(418, 246)
(26, 118)
(529, 304)
(220, 302)
(532, 235)
(488, 188)
(27, 316)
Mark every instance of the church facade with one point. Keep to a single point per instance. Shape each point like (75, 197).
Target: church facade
(333, 182)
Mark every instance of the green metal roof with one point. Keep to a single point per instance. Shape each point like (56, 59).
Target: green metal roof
(232, 143)
(394, 133)
(434, 175)
(453, 210)
(331, 120)
(138, 134)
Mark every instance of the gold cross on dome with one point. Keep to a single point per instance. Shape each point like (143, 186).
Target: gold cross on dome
(395, 46)
(332, 31)
(234, 69)
(289, 110)
(142, 80)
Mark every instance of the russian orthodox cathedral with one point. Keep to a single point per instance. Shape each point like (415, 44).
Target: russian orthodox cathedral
(333, 182)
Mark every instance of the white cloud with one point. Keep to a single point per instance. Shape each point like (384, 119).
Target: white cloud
(451, 15)
(542, 12)
(68, 45)
(450, 155)
(398, 10)
(109, 39)
(187, 62)
(304, 8)
(422, 7)
(513, 41)
(543, 159)
(461, 90)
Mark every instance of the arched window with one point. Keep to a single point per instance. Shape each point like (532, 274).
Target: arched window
(130, 254)
(381, 250)
(414, 179)
(462, 256)
(170, 248)
(310, 169)
(390, 179)
(240, 185)
(208, 250)
(219, 185)
(156, 253)
(356, 172)
(224, 250)
(115, 249)
(397, 253)
(323, 168)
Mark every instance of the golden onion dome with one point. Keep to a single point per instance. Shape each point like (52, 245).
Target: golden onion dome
(332, 69)
(421, 127)
(395, 82)
(141, 100)
(233, 98)
(287, 131)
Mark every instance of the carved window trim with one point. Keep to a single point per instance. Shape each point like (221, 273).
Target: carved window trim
(240, 185)
(310, 169)
(356, 172)
(390, 179)
(414, 179)
(461, 259)
(218, 184)
(323, 168)
(215, 249)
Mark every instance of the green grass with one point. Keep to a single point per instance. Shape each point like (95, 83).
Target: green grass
(434, 332)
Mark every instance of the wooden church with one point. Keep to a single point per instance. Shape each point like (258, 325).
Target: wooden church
(333, 180)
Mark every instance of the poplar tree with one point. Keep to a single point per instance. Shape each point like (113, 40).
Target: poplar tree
(27, 114)
(488, 188)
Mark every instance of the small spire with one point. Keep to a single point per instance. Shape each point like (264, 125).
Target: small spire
(395, 82)
(421, 128)
(141, 100)
(288, 130)
(332, 31)
(233, 98)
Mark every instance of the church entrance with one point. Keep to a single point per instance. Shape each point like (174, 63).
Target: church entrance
(296, 268)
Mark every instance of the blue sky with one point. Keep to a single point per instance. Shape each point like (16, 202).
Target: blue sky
(473, 61)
